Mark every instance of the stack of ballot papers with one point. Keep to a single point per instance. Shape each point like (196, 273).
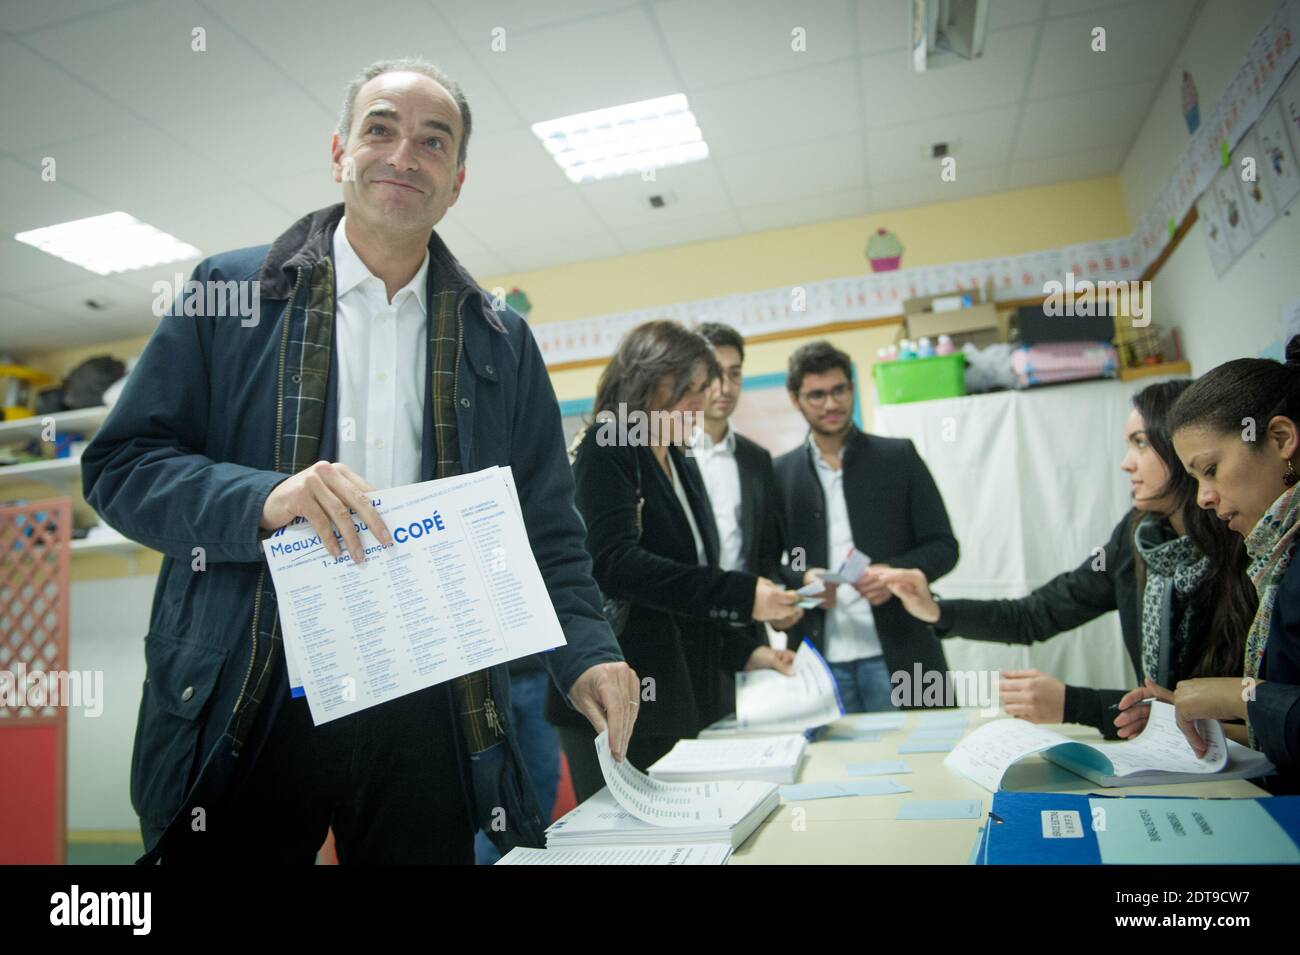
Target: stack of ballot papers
(769, 703)
(1159, 754)
(775, 759)
(621, 855)
(635, 810)
(1075, 829)
(458, 590)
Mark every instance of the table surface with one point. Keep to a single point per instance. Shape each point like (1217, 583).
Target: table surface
(863, 829)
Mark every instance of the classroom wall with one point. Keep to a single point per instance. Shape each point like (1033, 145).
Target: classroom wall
(1239, 314)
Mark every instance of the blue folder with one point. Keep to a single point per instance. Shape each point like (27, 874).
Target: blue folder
(1073, 829)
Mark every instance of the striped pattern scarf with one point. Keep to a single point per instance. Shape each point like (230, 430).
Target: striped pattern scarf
(1270, 546)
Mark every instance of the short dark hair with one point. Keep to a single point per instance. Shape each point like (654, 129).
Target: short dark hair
(721, 336)
(407, 64)
(816, 358)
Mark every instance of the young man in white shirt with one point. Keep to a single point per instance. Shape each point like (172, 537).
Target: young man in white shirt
(843, 490)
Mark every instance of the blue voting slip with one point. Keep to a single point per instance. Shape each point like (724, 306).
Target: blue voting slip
(941, 809)
(880, 721)
(884, 767)
(914, 745)
(843, 734)
(834, 790)
(1070, 829)
(935, 719)
(939, 732)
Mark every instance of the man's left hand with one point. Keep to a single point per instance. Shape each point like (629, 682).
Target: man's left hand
(871, 587)
(609, 694)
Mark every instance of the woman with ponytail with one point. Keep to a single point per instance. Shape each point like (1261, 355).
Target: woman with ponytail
(1237, 431)
(1175, 575)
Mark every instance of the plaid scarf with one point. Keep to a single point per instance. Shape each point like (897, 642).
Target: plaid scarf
(1270, 546)
(1174, 569)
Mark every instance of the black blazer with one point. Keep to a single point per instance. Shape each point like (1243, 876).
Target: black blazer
(675, 631)
(897, 517)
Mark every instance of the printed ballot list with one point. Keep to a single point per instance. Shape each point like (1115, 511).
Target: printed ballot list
(457, 590)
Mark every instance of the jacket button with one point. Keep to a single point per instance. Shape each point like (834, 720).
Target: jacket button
(296, 379)
(464, 402)
(187, 694)
(734, 615)
(489, 369)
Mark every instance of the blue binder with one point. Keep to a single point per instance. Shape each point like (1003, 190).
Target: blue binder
(1062, 829)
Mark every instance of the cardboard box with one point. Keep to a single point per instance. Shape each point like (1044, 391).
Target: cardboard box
(980, 324)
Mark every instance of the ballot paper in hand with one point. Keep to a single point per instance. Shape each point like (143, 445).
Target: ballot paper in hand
(850, 570)
(1159, 754)
(457, 591)
(771, 702)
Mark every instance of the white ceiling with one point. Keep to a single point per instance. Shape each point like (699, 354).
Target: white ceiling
(225, 148)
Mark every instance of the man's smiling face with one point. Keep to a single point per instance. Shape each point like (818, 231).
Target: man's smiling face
(399, 167)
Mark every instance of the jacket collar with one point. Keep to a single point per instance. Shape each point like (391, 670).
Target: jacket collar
(308, 241)
(847, 450)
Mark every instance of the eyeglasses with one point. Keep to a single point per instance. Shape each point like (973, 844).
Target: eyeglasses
(819, 397)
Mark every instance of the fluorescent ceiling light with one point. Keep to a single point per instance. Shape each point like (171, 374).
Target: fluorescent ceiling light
(110, 243)
(624, 139)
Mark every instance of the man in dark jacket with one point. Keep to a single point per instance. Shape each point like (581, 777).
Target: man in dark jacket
(230, 427)
(737, 473)
(845, 490)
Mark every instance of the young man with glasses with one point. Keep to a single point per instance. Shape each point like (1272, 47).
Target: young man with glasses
(844, 489)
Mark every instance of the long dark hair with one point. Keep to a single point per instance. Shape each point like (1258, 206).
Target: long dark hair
(647, 354)
(1225, 587)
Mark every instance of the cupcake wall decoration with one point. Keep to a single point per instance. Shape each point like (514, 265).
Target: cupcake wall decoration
(884, 251)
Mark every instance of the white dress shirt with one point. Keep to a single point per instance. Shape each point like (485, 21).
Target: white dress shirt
(722, 480)
(380, 352)
(850, 627)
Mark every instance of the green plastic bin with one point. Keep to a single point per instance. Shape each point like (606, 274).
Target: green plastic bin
(920, 379)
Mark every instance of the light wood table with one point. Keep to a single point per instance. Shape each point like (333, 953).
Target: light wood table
(863, 829)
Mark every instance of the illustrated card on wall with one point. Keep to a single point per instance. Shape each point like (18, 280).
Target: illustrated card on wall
(1228, 196)
(1256, 194)
(1278, 156)
(1289, 100)
(1216, 239)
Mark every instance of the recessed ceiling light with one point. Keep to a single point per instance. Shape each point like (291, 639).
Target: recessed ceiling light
(115, 242)
(626, 139)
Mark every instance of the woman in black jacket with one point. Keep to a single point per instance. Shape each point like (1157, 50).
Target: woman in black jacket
(654, 552)
(1176, 578)
(1237, 430)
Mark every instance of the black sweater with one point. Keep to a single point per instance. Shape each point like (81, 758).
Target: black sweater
(1275, 711)
(1070, 600)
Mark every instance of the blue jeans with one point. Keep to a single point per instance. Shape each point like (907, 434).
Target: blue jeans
(539, 745)
(864, 684)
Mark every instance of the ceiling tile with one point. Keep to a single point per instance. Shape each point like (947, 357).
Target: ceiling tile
(30, 202)
(141, 57)
(928, 190)
(682, 232)
(788, 172)
(975, 140)
(21, 17)
(1084, 164)
(1100, 118)
(690, 191)
(810, 209)
(884, 25)
(731, 40)
(545, 217)
(474, 22)
(788, 108)
(1141, 40)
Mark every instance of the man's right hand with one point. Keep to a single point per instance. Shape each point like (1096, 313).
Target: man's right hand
(772, 601)
(827, 595)
(911, 587)
(322, 494)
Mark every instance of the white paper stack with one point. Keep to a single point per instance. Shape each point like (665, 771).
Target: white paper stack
(775, 759)
(769, 703)
(620, 855)
(1159, 754)
(635, 810)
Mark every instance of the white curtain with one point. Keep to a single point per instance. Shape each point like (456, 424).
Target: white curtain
(1032, 485)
